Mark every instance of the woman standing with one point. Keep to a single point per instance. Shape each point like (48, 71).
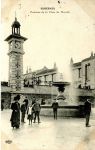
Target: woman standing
(15, 117)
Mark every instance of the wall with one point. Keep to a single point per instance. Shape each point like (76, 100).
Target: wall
(85, 81)
(7, 99)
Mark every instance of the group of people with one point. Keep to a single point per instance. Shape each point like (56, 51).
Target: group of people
(32, 111)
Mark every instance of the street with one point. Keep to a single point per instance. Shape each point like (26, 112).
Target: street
(61, 134)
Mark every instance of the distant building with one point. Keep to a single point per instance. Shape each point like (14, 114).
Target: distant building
(43, 76)
(83, 73)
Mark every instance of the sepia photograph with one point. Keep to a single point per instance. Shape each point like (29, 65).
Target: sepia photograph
(47, 75)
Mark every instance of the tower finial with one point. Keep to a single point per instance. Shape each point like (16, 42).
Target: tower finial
(15, 16)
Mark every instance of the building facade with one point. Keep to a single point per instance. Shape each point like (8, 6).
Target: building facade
(83, 73)
(43, 76)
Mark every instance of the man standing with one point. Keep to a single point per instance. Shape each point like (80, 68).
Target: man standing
(55, 107)
(2, 105)
(36, 108)
(23, 111)
(26, 102)
(87, 109)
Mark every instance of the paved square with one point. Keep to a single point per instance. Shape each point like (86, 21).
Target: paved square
(50, 134)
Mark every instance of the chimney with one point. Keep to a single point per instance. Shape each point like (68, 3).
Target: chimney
(30, 70)
(27, 70)
(55, 65)
(71, 61)
(92, 54)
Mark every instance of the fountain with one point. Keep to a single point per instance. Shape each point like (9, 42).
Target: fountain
(61, 88)
(68, 106)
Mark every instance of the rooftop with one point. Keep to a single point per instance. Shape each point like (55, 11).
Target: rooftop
(15, 36)
(89, 58)
(42, 71)
(86, 59)
(77, 64)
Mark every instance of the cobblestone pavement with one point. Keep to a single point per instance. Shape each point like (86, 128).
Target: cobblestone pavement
(50, 134)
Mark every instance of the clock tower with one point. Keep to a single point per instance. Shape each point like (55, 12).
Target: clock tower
(15, 41)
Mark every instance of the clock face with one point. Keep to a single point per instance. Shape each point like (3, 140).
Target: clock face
(17, 44)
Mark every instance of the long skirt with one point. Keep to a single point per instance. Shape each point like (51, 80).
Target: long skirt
(15, 119)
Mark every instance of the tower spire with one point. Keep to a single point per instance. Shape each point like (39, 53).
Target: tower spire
(15, 16)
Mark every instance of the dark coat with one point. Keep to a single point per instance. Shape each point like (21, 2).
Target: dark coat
(26, 102)
(36, 107)
(15, 117)
(23, 108)
(55, 105)
(87, 107)
(2, 106)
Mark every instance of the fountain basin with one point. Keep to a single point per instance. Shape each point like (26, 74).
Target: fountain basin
(63, 111)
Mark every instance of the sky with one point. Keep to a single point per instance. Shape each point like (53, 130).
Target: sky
(52, 37)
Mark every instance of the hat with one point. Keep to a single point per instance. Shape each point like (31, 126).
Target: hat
(17, 98)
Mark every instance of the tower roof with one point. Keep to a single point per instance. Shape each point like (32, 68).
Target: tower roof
(16, 24)
(15, 31)
(15, 36)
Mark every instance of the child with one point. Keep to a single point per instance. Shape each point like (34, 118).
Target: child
(30, 114)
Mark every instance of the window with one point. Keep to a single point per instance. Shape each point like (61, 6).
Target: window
(79, 74)
(87, 72)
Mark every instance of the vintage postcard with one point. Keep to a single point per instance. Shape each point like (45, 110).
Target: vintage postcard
(47, 74)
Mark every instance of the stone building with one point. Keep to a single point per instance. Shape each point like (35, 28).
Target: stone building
(43, 76)
(83, 73)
